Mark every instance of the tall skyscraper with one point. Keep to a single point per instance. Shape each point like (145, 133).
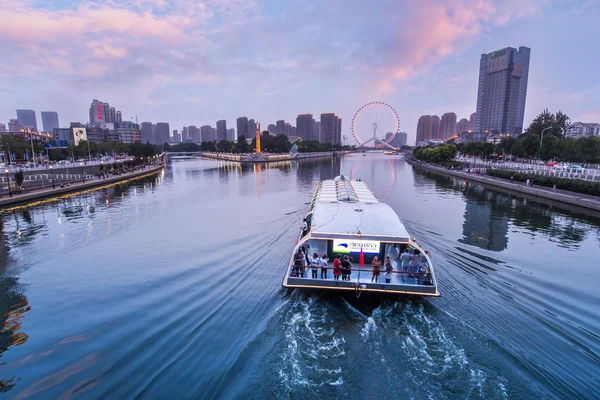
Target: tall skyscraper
(146, 133)
(27, 118)
(317, 129)
(154, 137)
(331, 129)
(206, 133)
(472, 121)
(163, 132)
(463, 125)
(280, 127)
(428, 128)
(119, 117)
(251, 129)
(305, 125)
(403, 138)
(2, 127)
(221, 130)
(14, 125)
(242, 127)
(447, 126)
(194, 134)
(50, 121)
(502, 91)
(271, 128)
(231, 135)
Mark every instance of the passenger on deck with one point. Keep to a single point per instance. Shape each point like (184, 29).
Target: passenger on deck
(324, 260)
(298, 263)
(345, 268)
(424, 277)
(337, 267)
(404, 260)
(315, 262)
(304, 228)
(376, 269)
(413, 264)
(349, 268)
(388, 270)
(304, 261)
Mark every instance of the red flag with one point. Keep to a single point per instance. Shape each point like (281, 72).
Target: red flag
(361, 258)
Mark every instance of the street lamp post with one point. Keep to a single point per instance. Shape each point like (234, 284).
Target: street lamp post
(52, 175)
(82, 172)
(8, 180)
(542, 137)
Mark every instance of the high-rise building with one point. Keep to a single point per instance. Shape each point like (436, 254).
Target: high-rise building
(206, 133)
(447, 126)
(305, 127)
(14, 125)
(242, 127)
(163, 132)
(401, 139)
(463, 125)
(331, 129)
(155, 139)
(317, 129)
(2, 127)
(112, 112)
(221, 130)
(271, 128)
(194, 134)
(251, 129)
(50, 121)
(213, 134)
(102, 113)
(428, 128)
(119, 117)
(231, 134)
(280, 127)
(146, 133)
(27, 118)
(502, 91)
(472, 122)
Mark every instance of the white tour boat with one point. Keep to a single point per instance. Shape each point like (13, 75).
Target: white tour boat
(347, 220)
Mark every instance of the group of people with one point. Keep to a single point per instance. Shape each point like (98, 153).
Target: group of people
(411, 265)
(414, 265)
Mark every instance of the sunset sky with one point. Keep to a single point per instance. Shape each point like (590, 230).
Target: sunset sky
(193, 62)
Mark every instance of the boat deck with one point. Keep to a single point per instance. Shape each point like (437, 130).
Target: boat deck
(401, 282)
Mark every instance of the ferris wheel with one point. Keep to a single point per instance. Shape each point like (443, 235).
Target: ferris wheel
(374, 121)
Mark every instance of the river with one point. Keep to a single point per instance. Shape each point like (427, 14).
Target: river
(171, 287)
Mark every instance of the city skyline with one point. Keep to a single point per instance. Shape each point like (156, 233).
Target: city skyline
(196, 64)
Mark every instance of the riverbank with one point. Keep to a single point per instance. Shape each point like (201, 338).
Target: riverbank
(563, 196)
(22, 199)
(261, 158)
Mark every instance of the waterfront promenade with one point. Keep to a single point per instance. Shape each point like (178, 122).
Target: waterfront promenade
(563, 196)
(59, 190)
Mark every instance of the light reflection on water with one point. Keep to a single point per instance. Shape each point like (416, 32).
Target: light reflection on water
(172, 284)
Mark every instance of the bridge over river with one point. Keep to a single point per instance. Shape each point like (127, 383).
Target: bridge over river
(172, 284)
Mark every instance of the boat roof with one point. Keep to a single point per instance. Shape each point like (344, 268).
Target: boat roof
(345, 208)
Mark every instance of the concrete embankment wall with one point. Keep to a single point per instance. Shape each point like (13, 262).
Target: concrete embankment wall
(568, 198)
(41, 194)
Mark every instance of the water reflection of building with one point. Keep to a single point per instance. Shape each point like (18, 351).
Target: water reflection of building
(486, 219)
(308, 172)
(13, 304)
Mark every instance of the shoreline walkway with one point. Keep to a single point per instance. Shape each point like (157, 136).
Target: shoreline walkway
(38, 194)
(563, 196)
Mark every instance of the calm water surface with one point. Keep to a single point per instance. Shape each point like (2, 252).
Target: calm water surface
(171, 287)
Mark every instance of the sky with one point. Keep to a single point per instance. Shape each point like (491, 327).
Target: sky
(189, 62)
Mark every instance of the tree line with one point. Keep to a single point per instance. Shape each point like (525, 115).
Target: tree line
(268, 144)
(21, 149)
(554, 145)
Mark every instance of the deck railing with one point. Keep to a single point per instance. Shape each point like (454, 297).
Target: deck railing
(419, 276)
